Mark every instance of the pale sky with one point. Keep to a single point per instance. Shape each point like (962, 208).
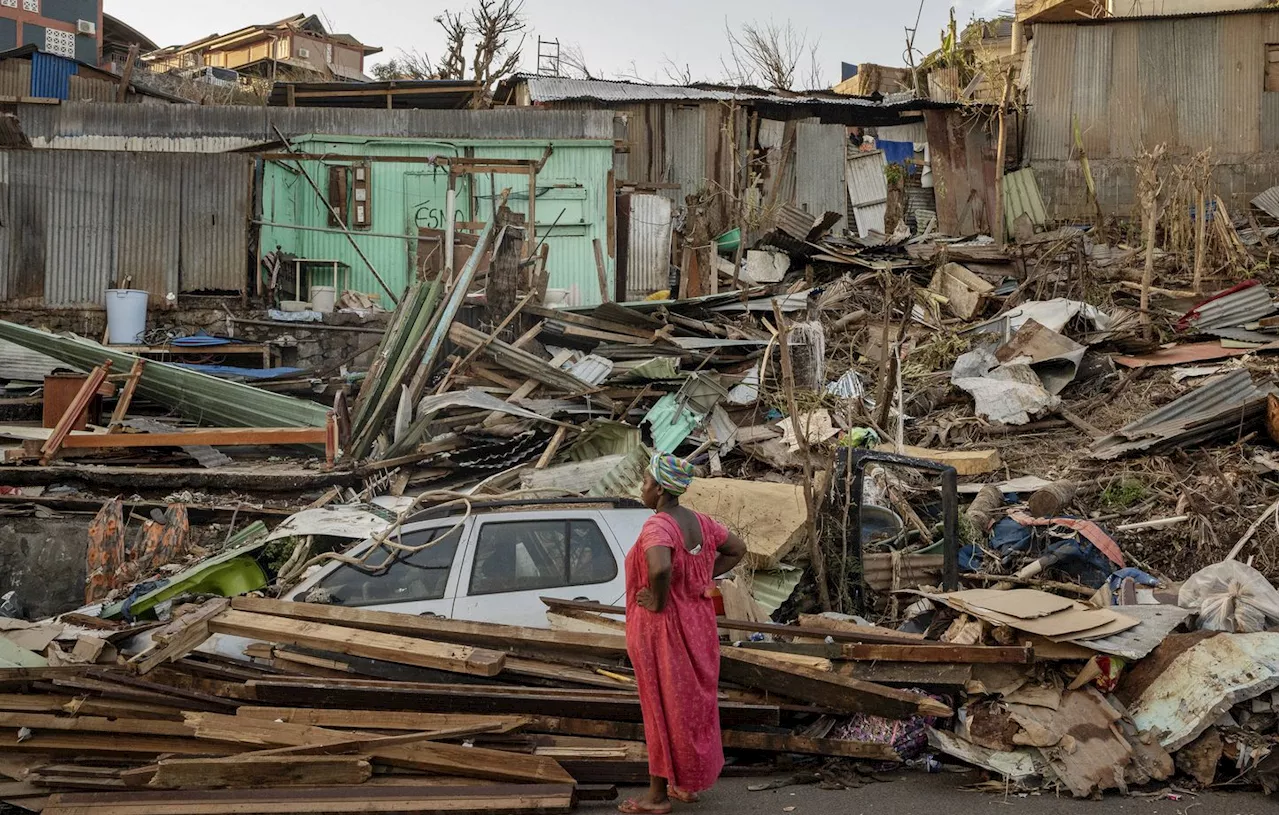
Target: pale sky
(612, 34)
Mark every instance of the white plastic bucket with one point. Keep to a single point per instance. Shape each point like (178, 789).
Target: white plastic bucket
(126, 316)
(323, 298)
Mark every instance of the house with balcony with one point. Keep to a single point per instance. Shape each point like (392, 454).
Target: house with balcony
(297, 48)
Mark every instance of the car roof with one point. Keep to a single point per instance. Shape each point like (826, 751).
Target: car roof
(481, 506)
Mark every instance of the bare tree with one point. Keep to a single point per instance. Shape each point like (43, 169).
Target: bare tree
(494, 23)
(675, 73)
(409, 65)
(454, 64)
(573, 63)
(769, 54)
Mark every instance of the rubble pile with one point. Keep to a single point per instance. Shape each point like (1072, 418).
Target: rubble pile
(1003, 509)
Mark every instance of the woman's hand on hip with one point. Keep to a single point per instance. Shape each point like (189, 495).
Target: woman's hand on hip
(645, 598)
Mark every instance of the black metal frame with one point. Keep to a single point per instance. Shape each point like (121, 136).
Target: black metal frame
(950, 509)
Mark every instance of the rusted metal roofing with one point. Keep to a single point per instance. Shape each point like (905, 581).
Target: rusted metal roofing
(77, 221)
(1218, 407)
(1233, 308)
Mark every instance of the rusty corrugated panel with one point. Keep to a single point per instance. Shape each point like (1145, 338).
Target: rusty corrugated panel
(820, 167)
(1242, 41)
(147, 209)
(15, 78)
(214, 226)
(1053, 74)
(79, 224)
(1125, 98)
(218, 128)
(1157, 69)
(685, 150)
(1216, 408)
(648, 245)
(1269, 128)
(83, 89)
(868, 190)
(1198, 82)
(1091, 89)
(76, 221)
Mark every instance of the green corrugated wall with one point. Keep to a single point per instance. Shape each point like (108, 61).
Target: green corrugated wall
(573, 187)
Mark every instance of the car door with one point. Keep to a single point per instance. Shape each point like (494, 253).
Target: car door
(514, 559)
(421, 582)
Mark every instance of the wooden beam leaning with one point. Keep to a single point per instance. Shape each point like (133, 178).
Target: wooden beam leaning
(373, 645)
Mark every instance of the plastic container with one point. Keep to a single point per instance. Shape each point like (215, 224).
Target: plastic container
(323, 298)
(728, 242)
(293, 306)
(126, 316)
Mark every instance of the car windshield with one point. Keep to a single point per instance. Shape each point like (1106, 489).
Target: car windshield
(412, 576)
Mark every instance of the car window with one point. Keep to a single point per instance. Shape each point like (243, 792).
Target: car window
(421, 575)
(529, 555)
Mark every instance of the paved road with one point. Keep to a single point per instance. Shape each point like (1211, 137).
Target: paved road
(915, 793)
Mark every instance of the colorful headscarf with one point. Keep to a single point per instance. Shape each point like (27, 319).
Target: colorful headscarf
(672, 474)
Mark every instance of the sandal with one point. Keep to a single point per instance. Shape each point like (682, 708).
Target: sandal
(682, 796)
(633, 807)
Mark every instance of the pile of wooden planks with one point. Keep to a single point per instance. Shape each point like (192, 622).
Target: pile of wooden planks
(329, 705)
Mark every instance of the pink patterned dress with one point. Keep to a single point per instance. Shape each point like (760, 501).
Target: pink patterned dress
(676, 656)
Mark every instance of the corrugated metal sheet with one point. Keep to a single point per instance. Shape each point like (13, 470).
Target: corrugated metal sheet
(83, 89)
(1198, 79)
(195, 395)
(686, 148)
(15, 78)
(820, 168)
(1157, 85)
(1124, 97)
(868, 191)
(544, 89)
(1269, 202)
(218, 128)
(648, 245)
(1091, 88)
(78, 220)
(1242, 47)
(1234, 310)
(1050, 95)
(50, 75)
(1230, 397)
(1269, 129)
(1022, 197)
(17, 362)
(214, 227)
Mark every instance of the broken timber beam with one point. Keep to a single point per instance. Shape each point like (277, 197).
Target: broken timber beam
(372, 645)
(991, 654)
(756, 669)
(260, 771)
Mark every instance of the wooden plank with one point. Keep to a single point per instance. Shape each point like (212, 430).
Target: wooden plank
(928, 675)
(69, 418)
(842, 633)
(126, 395)
(43, 722)
(755, 669)
(488, 635)
(415, 798)
(1018, 655)
(260, 771)
(525, 363)
(601, 275)
(179, 637)
(586, 321)
(494, 701)
(106, 744)
(382, 719)
(783, 743)
(205, 436)
(451, 759)
(966, 462)
(372, 645)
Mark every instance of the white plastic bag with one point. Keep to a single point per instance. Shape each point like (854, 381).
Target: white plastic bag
(1231, 596)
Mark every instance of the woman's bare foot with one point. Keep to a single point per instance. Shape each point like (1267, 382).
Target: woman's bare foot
(682, 796)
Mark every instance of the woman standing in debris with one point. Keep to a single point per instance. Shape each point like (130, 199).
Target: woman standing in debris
(672, 638)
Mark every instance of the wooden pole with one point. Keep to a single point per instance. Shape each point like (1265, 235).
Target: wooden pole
(601, 275)
(1198, 275)
(450, 225)
(998, 224)
(1148, 271)
(811, 511)
(126, 76)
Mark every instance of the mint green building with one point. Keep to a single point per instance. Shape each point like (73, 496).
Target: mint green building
(401, 196)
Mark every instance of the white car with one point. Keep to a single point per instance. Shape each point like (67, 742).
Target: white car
(494, 565)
